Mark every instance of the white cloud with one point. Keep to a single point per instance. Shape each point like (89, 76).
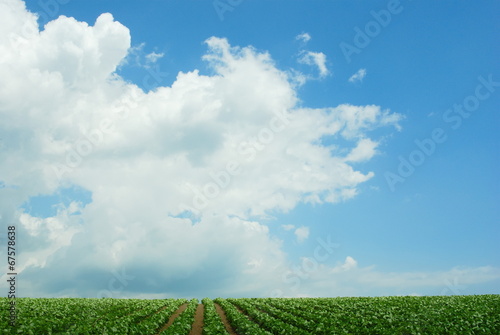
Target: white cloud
(312, 277)
(153, 57)
(364, 150)
(359, 119)
(302, 233)
(304, 37)
(315, 58)
(137, 56)
(358, 76)
(349, 264)
(231, 147)
(288, 226)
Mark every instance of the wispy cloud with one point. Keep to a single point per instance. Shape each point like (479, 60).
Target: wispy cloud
(315, 58)
(347, 278)
(153, 57)
(358, 76)
(304, 37)
(137, 56)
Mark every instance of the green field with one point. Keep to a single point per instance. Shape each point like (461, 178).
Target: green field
(384, 315)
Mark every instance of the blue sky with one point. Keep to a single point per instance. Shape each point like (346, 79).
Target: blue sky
(363, 84)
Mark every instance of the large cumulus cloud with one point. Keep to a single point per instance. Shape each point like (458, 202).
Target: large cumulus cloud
(179, 176)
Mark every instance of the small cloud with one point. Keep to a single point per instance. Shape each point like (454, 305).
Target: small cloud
(297, 78)
(304, 37)
(358, 76)
(364, 150)
(302, 234)
(134, 55)
(349, 264)
(153, 57)
(138, 57)
(315, 58)
(288, 226)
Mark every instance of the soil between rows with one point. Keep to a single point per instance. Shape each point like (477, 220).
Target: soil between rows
(197, 327)
(172, 318)
(225, 321)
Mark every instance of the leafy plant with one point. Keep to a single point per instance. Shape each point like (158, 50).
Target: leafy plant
(212, 323)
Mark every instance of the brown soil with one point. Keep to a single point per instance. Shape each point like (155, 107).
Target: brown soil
(172, 318)
(222, 314)
(197, 327)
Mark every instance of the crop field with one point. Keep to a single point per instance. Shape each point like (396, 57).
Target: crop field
(384, 315)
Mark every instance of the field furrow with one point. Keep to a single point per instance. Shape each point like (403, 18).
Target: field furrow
(183, 323)
(197, 327)
(255, 316)
(227, 325)
(241, 323)
(172, 318)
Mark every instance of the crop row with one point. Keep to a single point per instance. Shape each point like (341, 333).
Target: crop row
(253, 316)
(388, 315)
(89, 316)
(144, 321)
(212, 322)
(240, 323)
(182, 324)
